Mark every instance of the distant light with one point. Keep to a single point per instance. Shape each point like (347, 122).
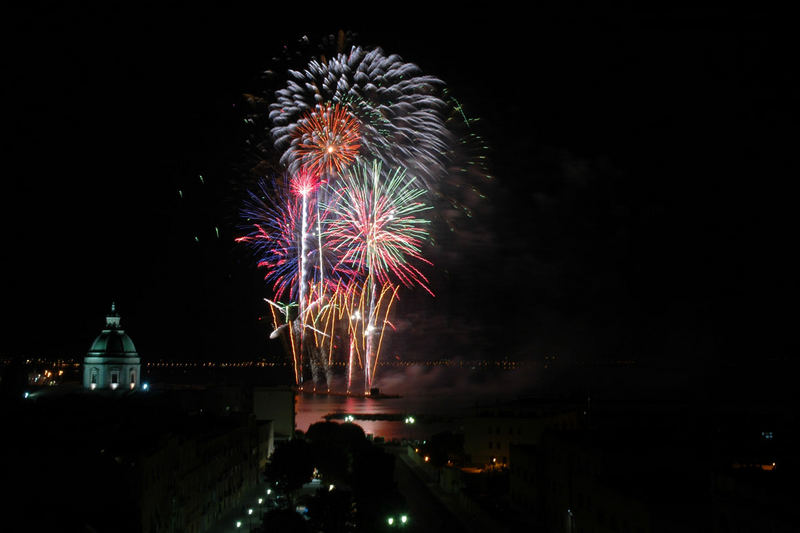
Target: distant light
(250, 511)
(238, 523)
(260, 501)
(404, 518)
(269, 491)
(26, 395)
(145, 386)
(331, 487)
(427, 458)
(391, 520)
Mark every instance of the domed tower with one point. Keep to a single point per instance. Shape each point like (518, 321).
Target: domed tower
(112, 361)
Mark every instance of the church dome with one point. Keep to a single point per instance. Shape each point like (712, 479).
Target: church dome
(112, 341)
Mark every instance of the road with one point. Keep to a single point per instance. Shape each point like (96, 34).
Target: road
(430, 510)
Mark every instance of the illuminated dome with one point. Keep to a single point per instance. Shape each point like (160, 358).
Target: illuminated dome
(112, 362)
(112, 341)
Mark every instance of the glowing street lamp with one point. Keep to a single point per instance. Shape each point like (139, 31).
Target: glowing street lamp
(394, 522)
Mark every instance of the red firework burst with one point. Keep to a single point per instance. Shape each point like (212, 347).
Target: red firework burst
(304, 183)
(328, 139)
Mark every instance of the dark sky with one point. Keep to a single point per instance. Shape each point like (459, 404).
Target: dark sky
(643, 203)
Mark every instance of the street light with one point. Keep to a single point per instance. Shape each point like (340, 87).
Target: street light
(402, 522)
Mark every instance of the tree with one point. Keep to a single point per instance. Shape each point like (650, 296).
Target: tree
(334, 446)
(285, 521)
(290, 466)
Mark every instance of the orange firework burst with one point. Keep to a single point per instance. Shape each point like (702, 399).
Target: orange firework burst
(327, 139)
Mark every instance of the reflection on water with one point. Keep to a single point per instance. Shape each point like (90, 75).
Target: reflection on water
(437, 400)
(312, 408)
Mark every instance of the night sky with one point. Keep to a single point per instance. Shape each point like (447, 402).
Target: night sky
(642, 206)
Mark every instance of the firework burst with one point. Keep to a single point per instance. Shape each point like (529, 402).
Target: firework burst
(373, 225)
(280, 226)
(326, 140)
(372, 144)
(399, 110)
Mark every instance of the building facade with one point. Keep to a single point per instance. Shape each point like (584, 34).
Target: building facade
(112, 361)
